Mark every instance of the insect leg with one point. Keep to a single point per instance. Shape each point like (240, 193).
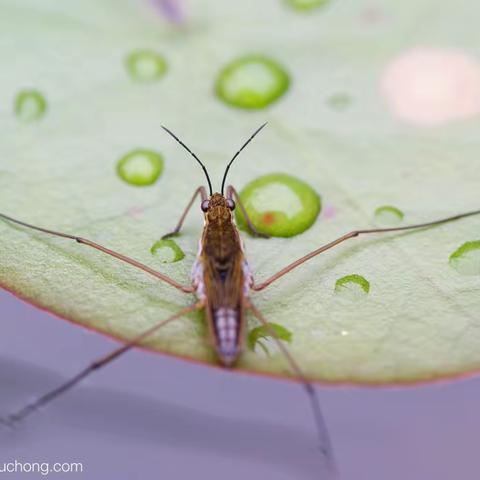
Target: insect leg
(94, 366)
(119, 256)
(231, 192)
(203, 196)
(325, 444)
(353, 234)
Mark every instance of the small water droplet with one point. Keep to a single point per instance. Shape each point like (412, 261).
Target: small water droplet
(146, 65)
(352, 286)
(30, 105)
(279, 205)
(260, 336)
(140, 167)
(167, 251)
(252, 82)
(339, 101)
(307, 5)
(388, 215)
(466, 259)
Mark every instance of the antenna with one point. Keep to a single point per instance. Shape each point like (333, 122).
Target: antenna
(236, 155)
(193, 155)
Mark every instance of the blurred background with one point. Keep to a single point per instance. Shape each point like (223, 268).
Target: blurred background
(366, 100)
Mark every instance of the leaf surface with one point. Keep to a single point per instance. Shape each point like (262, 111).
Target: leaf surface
(420, 319)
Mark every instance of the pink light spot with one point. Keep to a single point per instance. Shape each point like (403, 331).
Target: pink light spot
(428, 86)
(172, 10)
(373, 16)
(135, 212)
(329, 212)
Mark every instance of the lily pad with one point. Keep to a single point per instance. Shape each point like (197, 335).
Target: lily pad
(420, 322)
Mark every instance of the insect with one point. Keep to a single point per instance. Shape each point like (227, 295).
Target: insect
(222, 282)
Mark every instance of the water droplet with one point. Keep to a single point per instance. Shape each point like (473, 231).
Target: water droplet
(146, 65)
(252, 82)
(352, 286)
(279, 205)
(339, 101)
(140, 167)
(30, 105)
(388, 215)
(466, 259)
(306, 5)
(167, 251)
(257, 334)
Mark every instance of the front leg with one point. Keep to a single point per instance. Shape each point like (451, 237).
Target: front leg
(203, 195)
(231, 192)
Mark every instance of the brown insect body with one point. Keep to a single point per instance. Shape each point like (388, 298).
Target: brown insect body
(223, 279)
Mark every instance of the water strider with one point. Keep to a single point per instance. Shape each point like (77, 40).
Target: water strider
(222, 282)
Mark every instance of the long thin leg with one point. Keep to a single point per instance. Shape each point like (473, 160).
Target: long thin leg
(119, 256)
(231, 192)
(355, 233)
(203, 196)
(96, 365)
(325, 443)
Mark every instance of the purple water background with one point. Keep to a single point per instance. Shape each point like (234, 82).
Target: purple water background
(147, 416)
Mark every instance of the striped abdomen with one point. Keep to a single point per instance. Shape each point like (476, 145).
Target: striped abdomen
(227, 323)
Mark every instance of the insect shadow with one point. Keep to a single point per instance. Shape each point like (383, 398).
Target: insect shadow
(98, 409)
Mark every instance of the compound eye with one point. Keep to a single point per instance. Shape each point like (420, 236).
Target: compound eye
(204, 206)
(230, 204)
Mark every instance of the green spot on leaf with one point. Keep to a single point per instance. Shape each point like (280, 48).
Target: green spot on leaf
(279, 205)
(30, 105)
(352, 286)
(388, 215)
(466, 259)
(167, 251)
(146, 66)
(262, 332)
(252, 82)
(307, 5)
(339, 101)
(140, 167)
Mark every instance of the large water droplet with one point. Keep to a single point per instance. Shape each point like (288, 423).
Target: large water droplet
(279, 205)
(388, 215)
(167, 251)
(30, 105)
(306, 5)
(352, 286)
(466, 259)
(252, 82)
(146, 65)
(140, 167)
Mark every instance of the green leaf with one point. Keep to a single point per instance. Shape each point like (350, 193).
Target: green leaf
(420, 319)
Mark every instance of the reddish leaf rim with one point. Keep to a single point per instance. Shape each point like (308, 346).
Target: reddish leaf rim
(438, 380)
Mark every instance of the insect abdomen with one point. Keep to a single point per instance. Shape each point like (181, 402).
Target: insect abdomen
(226, 324)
